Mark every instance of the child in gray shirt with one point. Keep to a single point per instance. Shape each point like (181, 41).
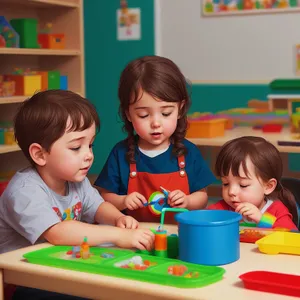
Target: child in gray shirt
(53, 200)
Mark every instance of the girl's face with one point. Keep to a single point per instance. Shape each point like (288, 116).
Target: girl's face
(154, 121)
(251, 189)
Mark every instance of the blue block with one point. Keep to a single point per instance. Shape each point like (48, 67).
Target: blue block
(64, 82)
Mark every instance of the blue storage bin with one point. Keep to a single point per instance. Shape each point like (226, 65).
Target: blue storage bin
(209, 237)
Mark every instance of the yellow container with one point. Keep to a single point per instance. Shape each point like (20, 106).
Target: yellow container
(32, 84)
(206, 128)
(280, 242)
(9, 137)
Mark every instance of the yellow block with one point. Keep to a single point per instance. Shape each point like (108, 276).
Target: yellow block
(32, 84)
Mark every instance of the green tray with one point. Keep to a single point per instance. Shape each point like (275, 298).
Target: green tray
(157, 272)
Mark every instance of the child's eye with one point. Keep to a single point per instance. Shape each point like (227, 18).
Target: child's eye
(243, 186)
(225, 184)
(166, 114)
(143, 117)
(91, 145)
(75, 148)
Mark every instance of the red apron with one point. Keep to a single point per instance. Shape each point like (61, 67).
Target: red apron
(147, 184)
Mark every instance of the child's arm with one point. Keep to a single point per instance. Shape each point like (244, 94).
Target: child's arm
(114, 199)
(132, 201)
(109, 214)
(278, 217)
(196, 200)
(72, 233)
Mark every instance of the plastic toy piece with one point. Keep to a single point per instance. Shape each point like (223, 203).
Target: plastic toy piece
(161, 244)
(272, 282)
(165, 191)
(107, 255)
(76, 252)
(85, 249)
(280, 242)
(272, 128)
(167, 209)
(177, 270)
(251, 235)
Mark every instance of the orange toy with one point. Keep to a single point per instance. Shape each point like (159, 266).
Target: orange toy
(51, 41)
(206, 128)
(248, 4)
(160, 243)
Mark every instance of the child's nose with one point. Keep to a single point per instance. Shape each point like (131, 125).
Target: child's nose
(155, 123)
(89, 155)
(232, 191)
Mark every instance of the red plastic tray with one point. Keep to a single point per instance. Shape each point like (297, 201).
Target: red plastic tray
(251, 235)
(272, 282)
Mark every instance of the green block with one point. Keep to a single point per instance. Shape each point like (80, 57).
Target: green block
(1, 136)
(28, 32)
(53, 80)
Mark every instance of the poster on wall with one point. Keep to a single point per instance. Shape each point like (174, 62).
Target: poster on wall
(298, 59)
(236, 7)
(128, 22)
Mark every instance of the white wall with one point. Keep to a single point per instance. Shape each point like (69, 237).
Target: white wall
(246, 47)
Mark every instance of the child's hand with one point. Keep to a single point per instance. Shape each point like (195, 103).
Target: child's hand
(178, 199)
(134, 201)
(142, 239)
(250, 211)
(127, 222)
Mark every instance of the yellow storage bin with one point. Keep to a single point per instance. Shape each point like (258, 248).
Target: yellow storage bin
(280, 242)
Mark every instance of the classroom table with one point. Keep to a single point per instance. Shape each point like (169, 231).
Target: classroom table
(15, 270)
(230, 134)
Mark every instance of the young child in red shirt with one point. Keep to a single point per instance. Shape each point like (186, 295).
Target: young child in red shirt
(250, 169)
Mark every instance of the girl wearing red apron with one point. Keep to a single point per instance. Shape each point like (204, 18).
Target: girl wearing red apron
(153, 104)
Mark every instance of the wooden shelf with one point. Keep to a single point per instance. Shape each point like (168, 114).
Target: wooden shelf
(25, 51)
(9, 148)
(44, 3)
(235, 82)
(13, 99)
(62, 3)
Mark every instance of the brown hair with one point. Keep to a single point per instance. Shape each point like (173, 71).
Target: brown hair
(266, 160)
(43, 118)
(162, 79)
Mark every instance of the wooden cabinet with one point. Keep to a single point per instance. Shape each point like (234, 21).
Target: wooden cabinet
(66, 16)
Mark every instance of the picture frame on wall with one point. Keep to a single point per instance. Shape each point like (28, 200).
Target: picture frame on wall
(239, 7)
(298, 59)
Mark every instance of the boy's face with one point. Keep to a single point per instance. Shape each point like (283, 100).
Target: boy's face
(70, 157)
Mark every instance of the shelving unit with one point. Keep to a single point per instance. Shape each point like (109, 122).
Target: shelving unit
(20, 51)
(9, 148)
(66, 16)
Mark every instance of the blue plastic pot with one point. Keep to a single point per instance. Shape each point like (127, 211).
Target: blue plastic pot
(209, 237)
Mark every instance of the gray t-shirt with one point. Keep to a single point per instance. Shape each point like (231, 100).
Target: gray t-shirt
(28, 207)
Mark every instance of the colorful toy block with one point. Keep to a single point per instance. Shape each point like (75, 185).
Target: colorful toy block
(27, 30)
(51, 41)
(25, 85)
(64, 82)
(8, 36)
(53, 80)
